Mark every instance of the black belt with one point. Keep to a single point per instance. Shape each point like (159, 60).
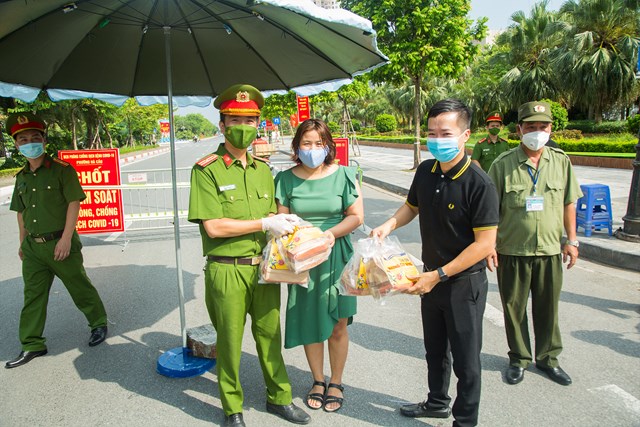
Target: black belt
(46, 237)
(232, 260)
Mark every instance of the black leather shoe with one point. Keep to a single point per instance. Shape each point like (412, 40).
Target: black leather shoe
(556, 374)
(98, 335)
(24, 357)
(515, 374)
(234, 420)
(422, 409)
(289, 412)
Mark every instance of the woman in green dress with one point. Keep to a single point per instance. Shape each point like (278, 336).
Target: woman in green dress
(328, 196)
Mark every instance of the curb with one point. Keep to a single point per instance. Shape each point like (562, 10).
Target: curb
(595, 253)
(135, 157)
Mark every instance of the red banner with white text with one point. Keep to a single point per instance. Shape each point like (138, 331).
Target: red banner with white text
(101, 211)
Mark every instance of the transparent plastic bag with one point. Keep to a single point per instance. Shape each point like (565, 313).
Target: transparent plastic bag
(378, 268)
(273, 268)
(305, 248)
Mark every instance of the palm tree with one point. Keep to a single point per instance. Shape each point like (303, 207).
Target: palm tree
(599, 61)
(531, 41)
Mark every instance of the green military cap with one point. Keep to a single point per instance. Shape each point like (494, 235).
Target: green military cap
(240, 100)
(536, 111)
(17, 122)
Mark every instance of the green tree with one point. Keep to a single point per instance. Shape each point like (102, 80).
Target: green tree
(559, 114)
(479, 87)
(530, 42)
(193, 124)
(598, 62)
(349, 95)
(421, 37)
(282, 106)
(386, 123)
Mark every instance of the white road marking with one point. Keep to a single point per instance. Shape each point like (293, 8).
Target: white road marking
(494, 315)
(629, 401)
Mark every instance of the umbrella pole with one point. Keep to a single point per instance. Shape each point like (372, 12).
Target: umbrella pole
(178, 362)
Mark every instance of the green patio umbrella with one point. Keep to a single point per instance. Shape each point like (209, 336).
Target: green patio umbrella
(191, 49)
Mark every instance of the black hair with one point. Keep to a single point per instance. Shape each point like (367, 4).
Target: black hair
(452, 105)
(324, 132)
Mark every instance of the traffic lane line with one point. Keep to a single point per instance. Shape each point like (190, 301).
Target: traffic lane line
(613, 393)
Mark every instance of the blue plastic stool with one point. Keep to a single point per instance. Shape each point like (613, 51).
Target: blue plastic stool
(594, 209)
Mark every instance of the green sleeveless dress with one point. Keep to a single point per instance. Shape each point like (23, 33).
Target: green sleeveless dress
(313, 312)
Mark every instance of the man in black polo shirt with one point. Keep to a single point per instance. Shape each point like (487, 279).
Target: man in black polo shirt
(458, 207)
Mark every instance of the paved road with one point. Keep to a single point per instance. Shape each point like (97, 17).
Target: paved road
(116, 383)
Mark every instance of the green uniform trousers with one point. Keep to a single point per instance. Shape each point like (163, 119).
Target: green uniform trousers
(232, 292)
(542, 276)
(38, 272)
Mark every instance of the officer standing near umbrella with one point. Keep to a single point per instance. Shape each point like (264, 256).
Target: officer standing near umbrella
(232, 199)
(47, 198)
(489, 148)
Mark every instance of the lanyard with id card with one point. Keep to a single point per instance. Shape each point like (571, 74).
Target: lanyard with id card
(534, 203)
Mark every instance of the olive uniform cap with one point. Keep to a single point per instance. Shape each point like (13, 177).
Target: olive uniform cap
(494, 117)
(536, 111)
(17, 122)
(240, 100)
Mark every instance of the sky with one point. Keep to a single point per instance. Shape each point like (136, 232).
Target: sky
(498, 11)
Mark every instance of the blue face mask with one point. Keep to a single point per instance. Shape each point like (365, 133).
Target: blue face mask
(444, 149)
(314, 157)
(33, 150)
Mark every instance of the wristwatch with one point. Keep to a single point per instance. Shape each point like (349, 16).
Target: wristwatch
(573, 243)
(442, 274)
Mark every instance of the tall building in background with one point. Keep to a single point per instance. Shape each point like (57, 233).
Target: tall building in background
(328, 4)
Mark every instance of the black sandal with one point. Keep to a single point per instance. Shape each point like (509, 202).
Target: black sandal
(318, 397)
(333, 399)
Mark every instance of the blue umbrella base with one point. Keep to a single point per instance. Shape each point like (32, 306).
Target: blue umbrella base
(179, 363)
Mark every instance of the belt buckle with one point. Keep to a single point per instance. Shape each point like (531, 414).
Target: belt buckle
(39, 240)
(256, 260)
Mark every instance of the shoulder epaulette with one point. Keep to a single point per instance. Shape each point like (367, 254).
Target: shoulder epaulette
(482, 140)
(558, 150)
(60, 162)
(206, 161)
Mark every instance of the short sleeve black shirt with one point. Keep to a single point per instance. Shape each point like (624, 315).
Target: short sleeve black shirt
(451, 206)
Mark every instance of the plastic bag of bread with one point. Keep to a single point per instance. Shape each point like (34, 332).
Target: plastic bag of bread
(378, 268)
(273, 269)
(305, 248)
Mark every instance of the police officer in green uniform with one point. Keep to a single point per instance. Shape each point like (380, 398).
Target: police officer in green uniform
(489, 148)
(232, 199)
(47, 198)
(537, 190)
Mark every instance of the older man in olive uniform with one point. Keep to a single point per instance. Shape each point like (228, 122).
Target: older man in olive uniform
(490, 147)
(232, 198)
(47, 198)
(537, 190)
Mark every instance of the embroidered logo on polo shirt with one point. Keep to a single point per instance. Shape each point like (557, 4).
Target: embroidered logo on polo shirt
(451, 206)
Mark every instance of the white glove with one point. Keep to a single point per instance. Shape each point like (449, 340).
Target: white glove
(280, 224)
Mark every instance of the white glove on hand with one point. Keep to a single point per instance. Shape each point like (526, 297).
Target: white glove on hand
(280, 224)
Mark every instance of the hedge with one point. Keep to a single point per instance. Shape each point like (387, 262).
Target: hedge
(589, 126)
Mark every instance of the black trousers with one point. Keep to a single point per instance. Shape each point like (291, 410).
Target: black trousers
(452, 323)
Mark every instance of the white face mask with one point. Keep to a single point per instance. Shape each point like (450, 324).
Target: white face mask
(535, 140)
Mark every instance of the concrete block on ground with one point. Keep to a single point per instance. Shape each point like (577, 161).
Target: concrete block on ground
(201, 340)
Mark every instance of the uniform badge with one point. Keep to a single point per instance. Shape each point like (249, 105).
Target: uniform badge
(227, 159)
(22, 120)
(243, 96)
(451, 206)
(539, 108)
